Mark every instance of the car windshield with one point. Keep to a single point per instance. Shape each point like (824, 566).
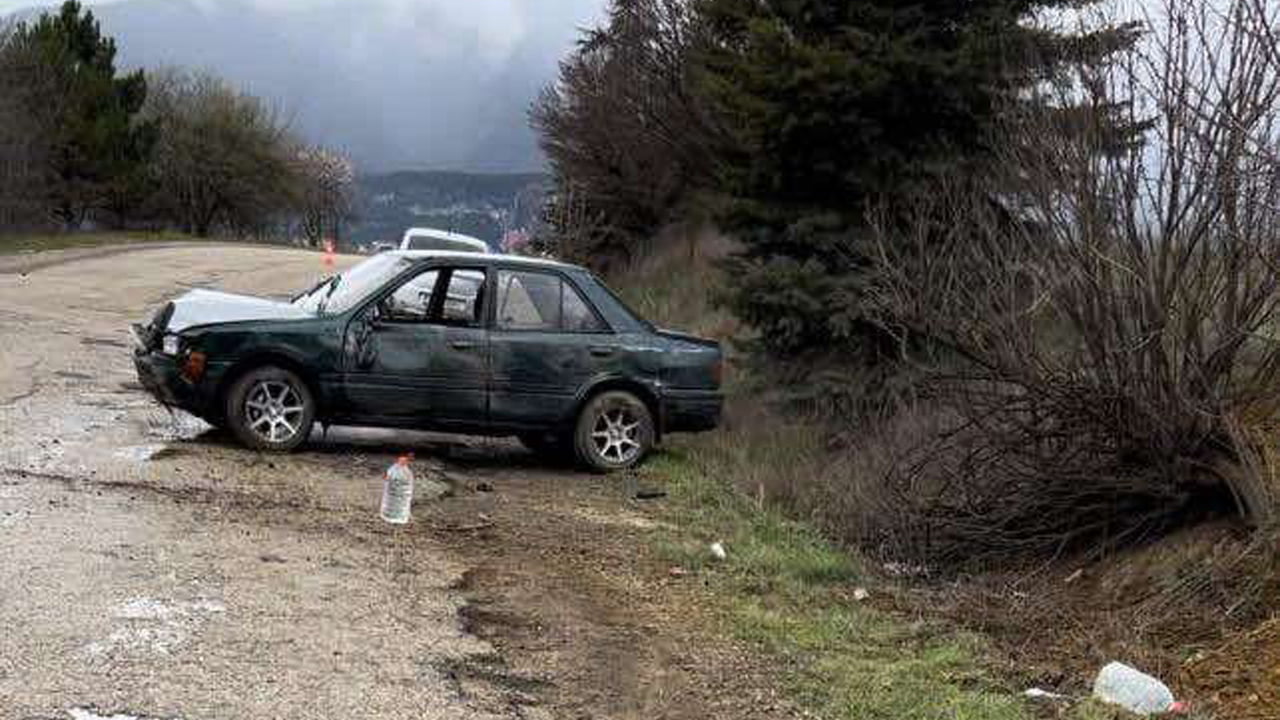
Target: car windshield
(342, 292)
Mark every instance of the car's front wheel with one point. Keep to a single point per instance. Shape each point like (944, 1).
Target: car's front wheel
(614, 432)
(270, 409)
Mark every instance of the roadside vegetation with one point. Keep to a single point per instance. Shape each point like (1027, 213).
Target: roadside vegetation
(84, 146)
(791, 594)
(1024, 377)
(24, 243)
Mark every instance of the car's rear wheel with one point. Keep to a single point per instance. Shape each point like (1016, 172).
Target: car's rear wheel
(614, 432)
(270, 409)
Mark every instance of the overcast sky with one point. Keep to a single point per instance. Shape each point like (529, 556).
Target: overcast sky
(396, 83)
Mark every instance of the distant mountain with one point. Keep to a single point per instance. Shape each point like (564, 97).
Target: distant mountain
(395, 83)
(481, 205)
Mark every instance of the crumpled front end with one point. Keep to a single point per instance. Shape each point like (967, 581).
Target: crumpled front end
(164, 370)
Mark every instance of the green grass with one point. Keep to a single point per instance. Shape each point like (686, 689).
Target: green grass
(789, 593)
(14, 244)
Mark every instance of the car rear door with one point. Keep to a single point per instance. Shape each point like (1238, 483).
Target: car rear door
(547, 343)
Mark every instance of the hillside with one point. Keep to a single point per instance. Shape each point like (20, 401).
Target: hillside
(481, 205)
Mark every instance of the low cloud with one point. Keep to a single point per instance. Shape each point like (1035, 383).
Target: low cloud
(396, 83)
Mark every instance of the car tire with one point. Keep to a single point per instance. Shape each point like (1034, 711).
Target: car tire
(270, 409)
(614, 432)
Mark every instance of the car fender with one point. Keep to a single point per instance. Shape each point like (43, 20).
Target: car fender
(649, 391)
(286, 358)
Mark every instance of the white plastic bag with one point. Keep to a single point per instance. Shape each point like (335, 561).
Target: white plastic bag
(1137, 692)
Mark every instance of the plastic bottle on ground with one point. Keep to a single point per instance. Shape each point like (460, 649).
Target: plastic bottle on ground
(397, 492)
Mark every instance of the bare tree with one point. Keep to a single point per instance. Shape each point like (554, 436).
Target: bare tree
(327, 193)
(628, 136)
(223, 158)
(1103, 318)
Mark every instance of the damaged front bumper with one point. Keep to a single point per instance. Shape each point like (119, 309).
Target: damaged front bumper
(161, 376)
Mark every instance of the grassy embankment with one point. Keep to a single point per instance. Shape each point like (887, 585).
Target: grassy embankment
(784, 588)
(26, 243)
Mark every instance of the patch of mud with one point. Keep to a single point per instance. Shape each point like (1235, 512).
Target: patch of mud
(490, 671)
(104, 342)
(69, 375)
(147, 453)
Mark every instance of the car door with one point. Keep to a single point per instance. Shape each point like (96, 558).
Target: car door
(547, 343)
(418, 356)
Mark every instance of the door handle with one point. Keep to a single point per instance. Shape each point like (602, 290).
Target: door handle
(601, 351)
(462, 345)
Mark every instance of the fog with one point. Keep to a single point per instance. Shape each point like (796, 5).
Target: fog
(396, 83)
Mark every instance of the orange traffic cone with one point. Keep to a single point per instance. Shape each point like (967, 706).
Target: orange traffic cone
(329, 258)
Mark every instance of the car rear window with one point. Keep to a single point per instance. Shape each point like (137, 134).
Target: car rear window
(543, 302)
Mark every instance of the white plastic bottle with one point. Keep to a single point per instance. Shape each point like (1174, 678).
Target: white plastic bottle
(397, 492)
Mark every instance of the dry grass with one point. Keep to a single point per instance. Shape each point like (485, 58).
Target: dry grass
(1160, 604)
(674, 285)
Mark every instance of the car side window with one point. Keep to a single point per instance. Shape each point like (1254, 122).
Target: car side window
(463, 299)
(542, 302)
(412, 301)
(576, 314)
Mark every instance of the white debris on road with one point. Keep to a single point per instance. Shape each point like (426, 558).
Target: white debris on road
(154, 626)
(86, 714)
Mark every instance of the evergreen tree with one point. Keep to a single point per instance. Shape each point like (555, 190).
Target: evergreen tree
(836, 107)
(95, 147)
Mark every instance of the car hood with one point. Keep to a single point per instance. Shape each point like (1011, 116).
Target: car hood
(207, 307)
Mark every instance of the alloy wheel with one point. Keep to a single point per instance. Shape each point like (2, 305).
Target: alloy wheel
(274, 410)
(616, 435)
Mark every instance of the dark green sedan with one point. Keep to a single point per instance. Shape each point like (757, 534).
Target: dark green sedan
(455, 342)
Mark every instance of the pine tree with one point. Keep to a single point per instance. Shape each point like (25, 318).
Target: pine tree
(836, 107)
(95, 145)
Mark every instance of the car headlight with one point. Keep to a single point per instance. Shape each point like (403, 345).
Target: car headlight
(171, 345)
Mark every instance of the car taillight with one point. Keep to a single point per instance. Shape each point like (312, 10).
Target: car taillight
(717, 371)
(194, 366)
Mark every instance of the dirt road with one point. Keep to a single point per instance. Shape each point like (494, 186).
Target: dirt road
(149, 567)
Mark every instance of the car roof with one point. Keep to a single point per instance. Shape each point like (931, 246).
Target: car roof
(520, 260)
(440, 235)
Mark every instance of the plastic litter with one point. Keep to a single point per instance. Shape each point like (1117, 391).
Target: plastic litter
(1133, 690)
(861, 594)
(1036, 693)
(397, 492)
(717, 549)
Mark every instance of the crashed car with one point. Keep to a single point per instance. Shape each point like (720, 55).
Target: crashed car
(456, 342)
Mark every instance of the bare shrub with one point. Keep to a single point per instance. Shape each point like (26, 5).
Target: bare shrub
(327, 197)
(1103, 314)
(224, 160)
(628, 138)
